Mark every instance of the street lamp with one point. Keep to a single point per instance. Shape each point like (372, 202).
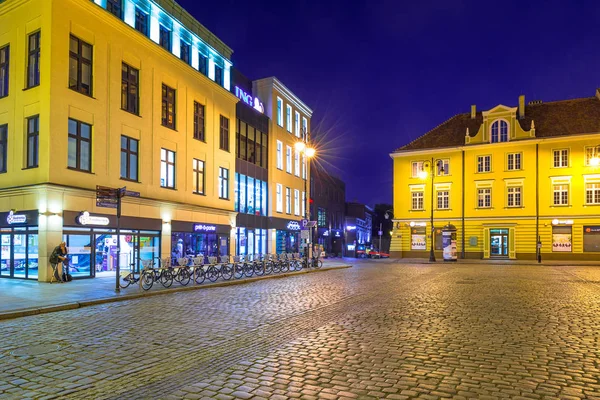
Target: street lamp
(388, 214)
(309, 152)
(423, 175)
(595, 160)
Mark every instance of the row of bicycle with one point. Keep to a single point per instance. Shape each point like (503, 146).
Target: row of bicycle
(198, 269)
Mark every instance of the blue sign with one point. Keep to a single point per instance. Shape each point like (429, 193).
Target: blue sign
(248, 99)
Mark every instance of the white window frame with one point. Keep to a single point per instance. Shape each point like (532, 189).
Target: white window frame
(514, 193)
(443, 199)
(416, 167)
(560, 189)
(481, 161)
(304, 128)
(296, 163)
(279, 111)
(279, 201)
(484, 194)
(288, 161)
(279, 155)
(499, 122)
(562, 159)
(297, 123)
(303, 166)
(296, 202)
(592, 188)
(288, 117)
(288, 200)
(165, 168)
(445, 163)
(418, 200)
(511, 165)
(589, 153)
(303, 204)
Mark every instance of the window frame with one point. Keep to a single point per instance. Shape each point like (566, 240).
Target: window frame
(562, 159)
(33, 59)
(417, 200)
(165, 38)
(445, 162)
(296, 163)
(3, 148)
(219, 75)
(78, 140)
(202, 64)
(288, 159)
(167, 164)
(482, 195)
(198, 176)
(443, 199)
(128, 153)
(185, 56)
(498, 124)
(5, 71)
(80, 61)
(592, 190)
(288, 118)
(223, 133)
(199, 122)
(141, 21)
(127, 83)
(512, 166)
(489, 164)
(559, 188)
(165, 103)
(223, 183)
(419, 167)
(516, 192)
(297, 123)
(280, 155)
(115, 7)
(35, 135)
(296, 202)
(288, 200)
(279, 198)
(280, 111)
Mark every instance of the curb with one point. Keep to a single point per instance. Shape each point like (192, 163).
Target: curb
(25, 312)
(502, 264)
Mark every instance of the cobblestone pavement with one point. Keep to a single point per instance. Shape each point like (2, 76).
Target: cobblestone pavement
(378, 330)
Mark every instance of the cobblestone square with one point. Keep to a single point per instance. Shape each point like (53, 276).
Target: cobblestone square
(381, 329)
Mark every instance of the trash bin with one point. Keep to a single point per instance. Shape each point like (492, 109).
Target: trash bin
(449, 242)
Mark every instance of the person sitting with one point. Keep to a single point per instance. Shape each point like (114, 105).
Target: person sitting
(59, 255)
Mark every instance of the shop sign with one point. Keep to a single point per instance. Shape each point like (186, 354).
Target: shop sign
(351, 247)
(413, 224)
(13, 218)
(293, 226)
(86, 219)
(351, 227)
(418, 242)
(591, 239)
(204, 228)
(326, 233)
(561, 242)
(338, 234)
(562, 222)
(594, 230)
(247, 98)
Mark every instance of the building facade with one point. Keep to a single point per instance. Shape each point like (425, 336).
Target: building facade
(327, 205)
(359, 227)
(512, 180)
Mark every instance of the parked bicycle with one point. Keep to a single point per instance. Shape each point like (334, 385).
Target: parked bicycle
(132, 277)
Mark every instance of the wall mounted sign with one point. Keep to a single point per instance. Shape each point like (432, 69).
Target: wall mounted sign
(293, 226)
(413, 223)
(86, 219)
(249, 99)
(204, 228)
(351, 227)
(562, 222)
(326, 233)
(13, 218)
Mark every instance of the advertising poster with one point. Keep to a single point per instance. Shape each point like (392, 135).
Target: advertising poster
(561, 242)
(418, 242)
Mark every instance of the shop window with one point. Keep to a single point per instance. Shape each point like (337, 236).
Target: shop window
(168, 107)
(591, 239)
(438, 243)
(80, 146)
(33, 59)
(418, 238)
(164, 38)
(141, 21)
(199, 122)
(33, 141)
(167, 168)
(80, 66)
(80, 254)
(4, 70)
(562, 239)
(129, 158)
(130, 82)
(322, 217)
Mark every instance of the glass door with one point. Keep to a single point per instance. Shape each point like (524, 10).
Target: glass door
(19, 251)
(79, 248)
(6, 270)
(499, 242)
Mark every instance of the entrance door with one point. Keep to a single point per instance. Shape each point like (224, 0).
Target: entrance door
(6, 267)
(499, 242)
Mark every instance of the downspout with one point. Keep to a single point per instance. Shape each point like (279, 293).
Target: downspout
(537, 200)
(463, 205)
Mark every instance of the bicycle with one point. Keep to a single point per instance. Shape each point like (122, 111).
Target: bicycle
(198, 269)
(181, 273)
(212, 272)
(226, 268)
(163, 273)
(147, 277)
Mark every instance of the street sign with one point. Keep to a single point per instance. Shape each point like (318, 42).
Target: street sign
(311, 224)
(304, 234)
(131, 193)
(106, 197)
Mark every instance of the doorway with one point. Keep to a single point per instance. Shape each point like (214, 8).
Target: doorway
(499, 242)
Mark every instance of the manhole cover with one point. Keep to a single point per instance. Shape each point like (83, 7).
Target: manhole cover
(35, 350)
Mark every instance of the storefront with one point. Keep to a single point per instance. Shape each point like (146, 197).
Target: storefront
(19, 241)
(92, 243)
(250, 241)
(287, 235)
(198, 239)
(331, 240)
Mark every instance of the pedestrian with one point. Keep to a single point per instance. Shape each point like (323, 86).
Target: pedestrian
(59, 255)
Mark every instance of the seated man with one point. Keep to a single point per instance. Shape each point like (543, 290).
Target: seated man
(59, 255)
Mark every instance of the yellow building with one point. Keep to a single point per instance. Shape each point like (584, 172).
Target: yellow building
(510, 179)
(116, 93)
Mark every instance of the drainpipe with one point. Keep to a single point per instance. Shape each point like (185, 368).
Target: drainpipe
(463, 206)
(537, 204)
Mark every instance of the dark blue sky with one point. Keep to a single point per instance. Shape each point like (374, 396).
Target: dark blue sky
(380, 73)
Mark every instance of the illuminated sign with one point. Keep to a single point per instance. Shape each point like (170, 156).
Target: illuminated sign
(337, 234)
(351, 247)
(562, 222)
(248, 99)
(293, 226)
(351, 227)
(326, 233)
(204, 228)
(13, 218)
(86, 219)
(413, 223)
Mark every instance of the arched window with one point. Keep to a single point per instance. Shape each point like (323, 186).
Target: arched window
(499, 131)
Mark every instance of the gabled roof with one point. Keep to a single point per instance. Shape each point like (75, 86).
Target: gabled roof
(557, 118)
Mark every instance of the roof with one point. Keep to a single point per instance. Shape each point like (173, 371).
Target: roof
(557, 118)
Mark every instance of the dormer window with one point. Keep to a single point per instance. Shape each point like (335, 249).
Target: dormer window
(499, 131)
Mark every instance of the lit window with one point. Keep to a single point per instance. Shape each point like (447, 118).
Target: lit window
(443, 200)
(80, 66)
(592, 193)
(297, 163)
(168, 107)
(130, 82)
(129, 158)
(484, 198)
(33, 141)
(417, 167)
(296, 202)
(484, 164)
(561, 158)
(279, 155)
(197, 176)
(33, 60)
(303, 167)
(417, 200)
(514, 197)
(279, 207)
(224, 134)
(514, 161)
(199, 121)
(223, 183)
(288, 153)
(561, 195)
(322, 217)
(279, 112)
(590, 152)
(167, 168)
(288, 118)
(304, 129)
(297, 123)
(499, 132)
(288, 200)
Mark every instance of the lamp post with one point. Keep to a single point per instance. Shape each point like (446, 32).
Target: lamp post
(423, 175)
(309, 152)
(388, 214)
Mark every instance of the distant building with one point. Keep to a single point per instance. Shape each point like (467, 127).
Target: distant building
(359, 225)
(328, 203)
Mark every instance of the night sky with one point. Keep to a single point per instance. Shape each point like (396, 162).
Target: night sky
(378, 74)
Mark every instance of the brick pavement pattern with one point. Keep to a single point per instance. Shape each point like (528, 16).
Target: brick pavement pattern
(378, 330)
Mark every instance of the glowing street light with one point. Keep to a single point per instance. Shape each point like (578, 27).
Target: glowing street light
(423, 174)
(300, 146)
(309, 152)
(595, 161)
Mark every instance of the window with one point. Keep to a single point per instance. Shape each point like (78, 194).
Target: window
(80, 66)
(417, 200)
(296, 202)
(198, 176)
(80, 146)
(167, 168)
(484, 164)
(288, 159)
(279, 155)
(443, 200)
(417, 167)
(202, 63)
(279, 205)
(185, 51)
(296, 163)
(561, 195)
(514, 197)
(219, 75)
(141, 21)
(224, 134)
(130, 83)
(33, 141)
(223, 183)
(443, 167)
(4, 69)
(250, 195)
(304, 129)
(279, 112)
(561, 158)
(33, 60)
(288, 200)
(514, 161)
(168, 107)
(3, 148)
(303, 167)
(322, 217)
(303, 204)
(590, 152)
(288, 117)
(592, 193)
(199, 121)
(129, 158)
(499, 132)
(164, 37)
(297, 123)
(484, 198)
(114, 7)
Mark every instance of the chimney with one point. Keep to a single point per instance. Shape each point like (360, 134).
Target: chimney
(521, 106)
(473, 111)
(598, 93)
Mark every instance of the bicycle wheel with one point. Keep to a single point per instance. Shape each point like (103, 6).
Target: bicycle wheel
(147, 280)
(318, 264)
(238, 271)
(200, 275)
(227, 271)
(177, 274)
(184, 276)
(125, 281)
(166, 278)
(259, 269)
(285, 266)
(212, 273)
(268, 267)
(248, 269)
(298, 264)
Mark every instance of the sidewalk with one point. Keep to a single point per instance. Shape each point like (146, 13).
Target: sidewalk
(574, 263)
(19, 298)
